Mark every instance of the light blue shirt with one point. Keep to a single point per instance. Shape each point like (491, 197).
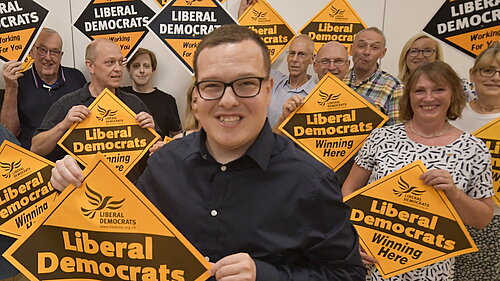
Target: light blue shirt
(282, 92)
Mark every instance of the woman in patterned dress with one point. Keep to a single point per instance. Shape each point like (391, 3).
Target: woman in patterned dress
(457, 162)
(485, 74)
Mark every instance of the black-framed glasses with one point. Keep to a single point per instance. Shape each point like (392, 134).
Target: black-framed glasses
(426, 52)
(42, 51)
(337, 62)
(301, 55)
(488, 72)
(245, 87)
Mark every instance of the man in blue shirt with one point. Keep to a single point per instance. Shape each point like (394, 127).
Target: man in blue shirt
(257, 207)
(29, 95)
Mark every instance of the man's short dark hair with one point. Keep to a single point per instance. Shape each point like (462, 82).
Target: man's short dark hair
(231, 33)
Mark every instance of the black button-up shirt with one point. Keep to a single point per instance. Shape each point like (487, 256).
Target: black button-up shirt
(276, 203)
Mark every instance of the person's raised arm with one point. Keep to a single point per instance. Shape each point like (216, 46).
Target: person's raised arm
(9, 115)
(44, 142)
(288, 107)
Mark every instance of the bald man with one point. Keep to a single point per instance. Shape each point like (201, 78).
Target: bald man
(332, 57)
(29, 95)
(104, 61)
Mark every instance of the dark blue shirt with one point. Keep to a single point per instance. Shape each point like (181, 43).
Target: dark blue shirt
(276, 203)
(35, 98)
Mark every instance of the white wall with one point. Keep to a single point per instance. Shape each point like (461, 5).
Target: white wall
(399, 19)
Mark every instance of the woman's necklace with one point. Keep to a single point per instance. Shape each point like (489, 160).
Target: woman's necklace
(435, 135)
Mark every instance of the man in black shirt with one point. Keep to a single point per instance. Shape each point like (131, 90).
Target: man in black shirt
(247, 199)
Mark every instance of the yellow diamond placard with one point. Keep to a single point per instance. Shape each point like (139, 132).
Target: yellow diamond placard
(490, 134)
(105, 230)
(121, 21)
(112, 130)
(20, 22)
(272, 28)
(337, 21)
(466, 25)
(25, 189)
(405, 224)
(181, 24)
(333, 122)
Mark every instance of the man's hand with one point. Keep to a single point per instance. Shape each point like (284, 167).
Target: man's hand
(237, 267)
(11, 71)
(145, 120)
(244, 4)
(156, 146)
(77, 113)
(290, 105)
(66, 172)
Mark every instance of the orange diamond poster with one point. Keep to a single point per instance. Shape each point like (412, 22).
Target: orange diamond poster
(121, 21)
(181, 24)
(25, 189)
(333, 122)
(469, 26)
(112, 130)
(490, 134)
(20, 22)
(95, 232)
(272, 28)
(337, 21)
(405, 224)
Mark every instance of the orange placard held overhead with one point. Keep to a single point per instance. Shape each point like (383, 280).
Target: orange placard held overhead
(20, 22)
(112, 130)
(469, 26)
(121, 21)
(25, 190)
(333, 122)
(490, 134)
(337, 21)
(405, 224)
(181, 25)
(105, 230)
(272, 28)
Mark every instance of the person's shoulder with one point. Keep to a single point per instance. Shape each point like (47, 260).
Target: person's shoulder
(71, 97)
(472, 142)
(174, 150)
(287, 152)
(164, 94)
(390, 79)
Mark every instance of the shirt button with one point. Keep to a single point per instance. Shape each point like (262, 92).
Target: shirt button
(207, 258)
(204, 156)
(213, 213)
(223, 168)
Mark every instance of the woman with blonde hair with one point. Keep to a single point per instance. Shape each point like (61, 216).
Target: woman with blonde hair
(418, 50)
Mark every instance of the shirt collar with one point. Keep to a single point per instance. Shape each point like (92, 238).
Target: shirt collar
(260, 151)
(61, 80)
(352, 76)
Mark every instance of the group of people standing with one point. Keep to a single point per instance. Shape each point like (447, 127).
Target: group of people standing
(261, 208)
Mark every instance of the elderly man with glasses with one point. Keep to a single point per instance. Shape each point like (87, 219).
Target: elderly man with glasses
(29, 95)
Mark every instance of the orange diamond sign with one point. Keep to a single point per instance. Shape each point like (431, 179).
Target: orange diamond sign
(405, 224)
(181, 25)
(272, 28)
(25, 189)
(95, 232)
(20, 21)
(333, 122)
(490, 134)
(121, 21)
(337, 21)
(112, 130)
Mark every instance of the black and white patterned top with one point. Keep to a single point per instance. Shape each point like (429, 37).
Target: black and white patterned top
(389, 149)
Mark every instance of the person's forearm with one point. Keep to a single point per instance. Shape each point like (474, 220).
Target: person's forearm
(474, 212)
(44, 142)
(9, 115)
